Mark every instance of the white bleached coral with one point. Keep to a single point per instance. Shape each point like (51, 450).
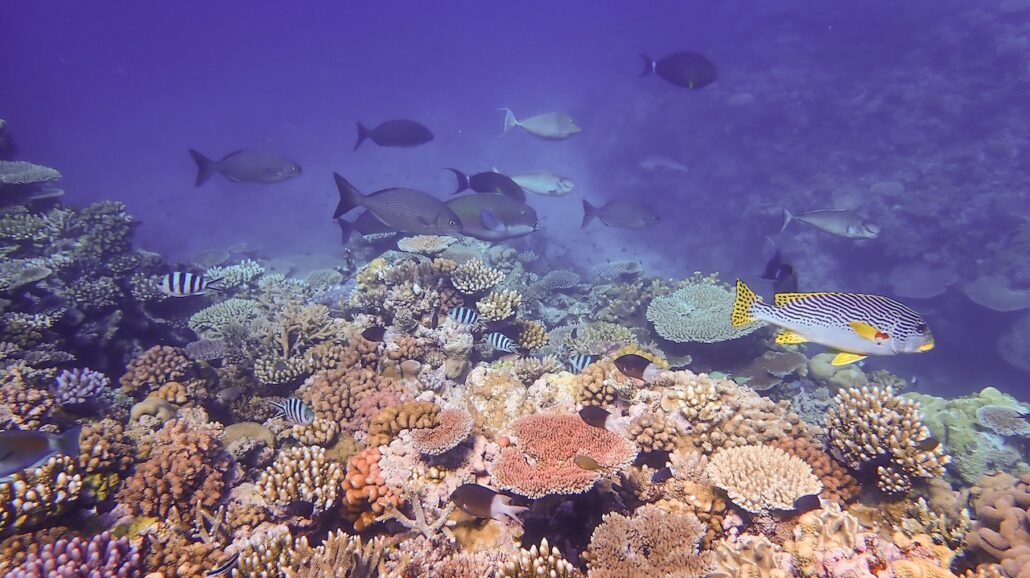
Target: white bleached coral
(761, 478)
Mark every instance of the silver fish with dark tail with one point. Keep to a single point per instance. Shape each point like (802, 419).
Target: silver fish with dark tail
(246, 166)
(24, 449)
(548, 126)
(621, 213)
(840, 222)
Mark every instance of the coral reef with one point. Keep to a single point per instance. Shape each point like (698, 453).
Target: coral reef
(454, 427)
(474, 276)
(762, 478)
(698, 312)
(499, 305)
(652, 542)
(542, 560)
(101, 555)
(1001, 532)
(301, 474)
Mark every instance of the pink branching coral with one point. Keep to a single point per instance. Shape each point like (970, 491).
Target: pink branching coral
(559, 454)
(185, 471)
(455, 427)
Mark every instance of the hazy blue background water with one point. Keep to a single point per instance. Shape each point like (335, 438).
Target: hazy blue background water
(815, 101)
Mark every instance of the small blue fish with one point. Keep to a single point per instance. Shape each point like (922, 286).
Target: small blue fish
(464, 316)
(23, 450)
(294, 410)
(185, 284)
(501, 342)
(224, 567)
(577, 363)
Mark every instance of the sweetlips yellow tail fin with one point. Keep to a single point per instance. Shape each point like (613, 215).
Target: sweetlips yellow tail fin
(742, 306)
(844, 358)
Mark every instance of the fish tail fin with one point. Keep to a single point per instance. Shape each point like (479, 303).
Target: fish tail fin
(205, 167)
(350, 198)
(463, 180)
(589, 212)
(509, 119)
(787, 218)
(68, 442)
(346, 230)
(743, 306)
(363, 134)
(648, 65)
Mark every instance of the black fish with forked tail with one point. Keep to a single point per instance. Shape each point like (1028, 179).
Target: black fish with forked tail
(685, 69)
(489, 182)
(783, 275)
(401, 132)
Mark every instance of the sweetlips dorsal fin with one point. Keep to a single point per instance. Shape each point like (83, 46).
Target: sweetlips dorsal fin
(781, 299)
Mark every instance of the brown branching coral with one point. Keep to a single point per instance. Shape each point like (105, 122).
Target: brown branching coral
(154, 368)
(343, 556)
(838, 484)
(394, 419)
(762, 478)
(297, 327)
(601, 383)
(538, 561)
(185, 470)
(867, 426)
(302, 474)
(336, 394)
(104, 447)
(406, 347)
(653, 433)
(22, 406)
(366, 495)
(651, 542)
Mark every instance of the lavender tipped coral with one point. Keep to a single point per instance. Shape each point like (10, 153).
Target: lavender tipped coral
(80, 387)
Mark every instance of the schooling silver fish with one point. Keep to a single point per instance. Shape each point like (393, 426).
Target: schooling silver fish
(246, 166)
(22, 450)
(548, 126)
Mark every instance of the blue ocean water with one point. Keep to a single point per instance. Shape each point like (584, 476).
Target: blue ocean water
(910, 115)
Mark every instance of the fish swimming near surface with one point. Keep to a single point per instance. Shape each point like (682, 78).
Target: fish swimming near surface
(246, 166)
(482, 502)
(543, 183)
(501, 342)
(186, 284)
(783, 275)
(25, 449)
(463, 316)
(494, 217)
(840, 222)
(855, 324)
(638, 367)
(225, 567)
(403, 210)
(577, 363)
(489, 182)
(621, 213)
(395, 133)
(548, 126)
(295, 411)
(596, 416)
(686, 69)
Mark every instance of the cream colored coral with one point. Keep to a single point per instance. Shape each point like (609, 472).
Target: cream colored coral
(499, 305)
(748, 556)
(761, 478)
(302, 473)
(474, 276)
(537, 561)
(425, 244)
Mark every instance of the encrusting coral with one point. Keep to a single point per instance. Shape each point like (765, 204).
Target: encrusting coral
(1001, 531)
(454, 427)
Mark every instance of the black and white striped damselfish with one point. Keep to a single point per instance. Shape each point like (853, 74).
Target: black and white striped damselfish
(224, 568)
(186, 284)
(464, 316)
(580, 361)
(294, 410)
(501, 342)
(855, 324)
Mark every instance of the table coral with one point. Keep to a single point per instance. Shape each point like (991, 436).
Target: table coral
(749, 556)
(425, 244)
(302, 474)
(868, 426)
(762, 478)
(651, 542)
(699, 312)
(454, 427)
(543, 461)
(185, 470)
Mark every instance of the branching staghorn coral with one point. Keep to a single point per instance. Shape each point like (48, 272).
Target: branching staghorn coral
(499, 305)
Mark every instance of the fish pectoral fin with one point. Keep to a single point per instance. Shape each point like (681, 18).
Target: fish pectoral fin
(866, 331)
(788, 337)
(844, 358)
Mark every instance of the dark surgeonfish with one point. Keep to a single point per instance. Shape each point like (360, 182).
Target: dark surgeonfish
(620, 213)
(548, 126)
(489, 182)
(21, 450)
(246, 166)
(395, 133)
(638, 367)
(494, 217)
(482, 502)
(186, 284)
(596, 416)
(855, 324)
(375, 334)
(783, 275)
(403, 210)
(686, 69)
